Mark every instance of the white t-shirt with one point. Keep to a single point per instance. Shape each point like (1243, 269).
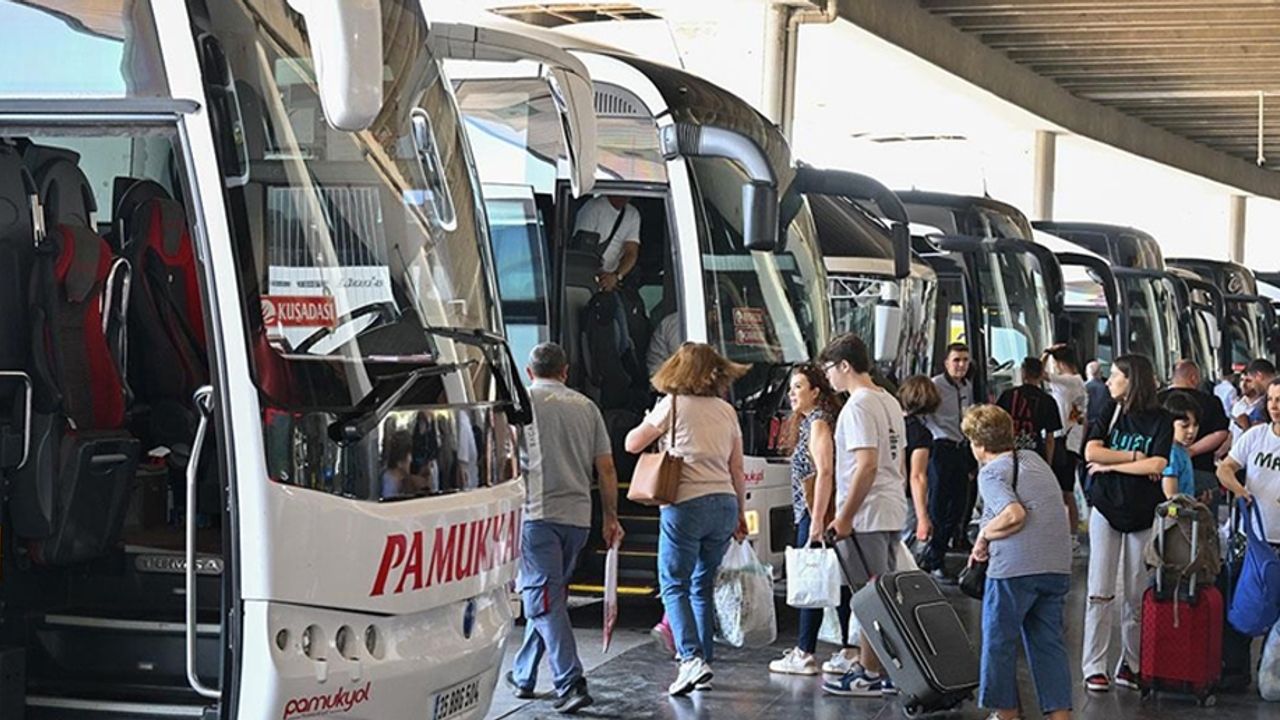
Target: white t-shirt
(1242, 406)
(873, 419)
(706, 429)
(665, 341)
(598, 216)
(1073, 400)
(1258, 452)
(1227, 393)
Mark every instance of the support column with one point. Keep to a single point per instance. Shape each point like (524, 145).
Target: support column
(1235, 229)
(1046, 166)
(772, 95)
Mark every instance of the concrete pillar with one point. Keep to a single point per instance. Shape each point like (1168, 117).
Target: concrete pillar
(1046, 166)
(774, 76)
(1235, 229)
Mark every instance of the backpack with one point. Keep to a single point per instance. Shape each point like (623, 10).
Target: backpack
(1184, 543)
(1255, 606)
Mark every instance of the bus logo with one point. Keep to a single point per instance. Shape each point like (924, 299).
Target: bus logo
(451, 554)
(299, 311)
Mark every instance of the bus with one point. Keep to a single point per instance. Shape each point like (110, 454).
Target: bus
(728, 255)
(1090, 313)
(1155, 306)
(878, 289)
(997, 290)
(1248, 322)
(259, 419)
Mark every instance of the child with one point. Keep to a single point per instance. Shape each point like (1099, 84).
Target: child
(1179, 475)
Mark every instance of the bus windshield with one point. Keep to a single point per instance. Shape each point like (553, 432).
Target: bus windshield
(1015, 318)
(854, 299)
(351, 245)
(1151, 306)
(1246, 331)
(762, 307)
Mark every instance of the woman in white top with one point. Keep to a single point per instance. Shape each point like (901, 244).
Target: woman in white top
(695, 530)
(1068, 390)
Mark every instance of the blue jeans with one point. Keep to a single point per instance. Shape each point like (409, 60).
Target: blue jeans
(1030, 609)
(548, 553)
(692, 540)
(811, 619)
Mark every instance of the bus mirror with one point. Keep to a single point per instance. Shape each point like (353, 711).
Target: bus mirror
(760, 216)
(346, 51)
(901, 250)
(888, 332)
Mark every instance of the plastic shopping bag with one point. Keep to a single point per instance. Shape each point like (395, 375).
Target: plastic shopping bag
(744, 599)
(813, 578)
(1269, 670)
(610, 594)
(830, 630)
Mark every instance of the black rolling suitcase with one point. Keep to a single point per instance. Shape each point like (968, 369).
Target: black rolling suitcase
(916, 634)
(1237, 649)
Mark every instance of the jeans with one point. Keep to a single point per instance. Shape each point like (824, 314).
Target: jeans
(548, 553)
(692, 539)
(949, 465)
(1110, 549)
(1030, 609)
(811, 618)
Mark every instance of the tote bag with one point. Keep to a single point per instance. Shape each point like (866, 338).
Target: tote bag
(657, 475)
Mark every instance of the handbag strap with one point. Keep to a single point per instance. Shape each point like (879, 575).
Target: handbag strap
(671, 439)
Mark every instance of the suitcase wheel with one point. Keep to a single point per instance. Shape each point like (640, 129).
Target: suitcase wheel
(912, 711)
(1208, 701)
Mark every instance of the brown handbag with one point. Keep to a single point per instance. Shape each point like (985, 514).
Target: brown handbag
(657, 475)
(809, 485)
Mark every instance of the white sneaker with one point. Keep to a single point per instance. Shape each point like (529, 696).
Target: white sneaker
(795, 662)
(693, 672)
(839, 664)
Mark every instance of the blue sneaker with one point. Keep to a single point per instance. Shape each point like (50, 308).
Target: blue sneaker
(886, 686)
(858, 683)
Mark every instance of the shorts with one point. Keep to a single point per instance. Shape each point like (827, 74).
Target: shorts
(1065, 466)
(878, 556)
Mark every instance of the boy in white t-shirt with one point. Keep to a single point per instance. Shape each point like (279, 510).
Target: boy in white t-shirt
(1258, 452)
(870, 436)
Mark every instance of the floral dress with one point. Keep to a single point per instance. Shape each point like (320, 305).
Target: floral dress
(802, 463)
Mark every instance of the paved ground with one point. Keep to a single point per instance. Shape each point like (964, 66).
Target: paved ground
(630, 682)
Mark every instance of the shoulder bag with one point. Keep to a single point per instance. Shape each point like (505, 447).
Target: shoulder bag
(656, 479)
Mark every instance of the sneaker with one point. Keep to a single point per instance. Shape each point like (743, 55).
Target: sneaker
(575, 699)
(1097, 683)
(886, 685)
(692, 672)
(840, 663)
(521, 692)
(795, 662)
(702, 686)
(1126, 678)
(857, 683)
(661, 634)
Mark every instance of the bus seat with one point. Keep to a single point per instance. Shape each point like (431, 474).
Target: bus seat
(64, 190)
(610, 362)
(69, 500)
(166, 323)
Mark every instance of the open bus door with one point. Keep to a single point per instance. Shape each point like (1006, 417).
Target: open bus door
(1090, 312)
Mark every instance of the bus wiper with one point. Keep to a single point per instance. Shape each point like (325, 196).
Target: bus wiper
(478, 337)
(368, 412)
(520, 407)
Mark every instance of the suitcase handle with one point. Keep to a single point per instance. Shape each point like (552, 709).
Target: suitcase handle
(889, 649)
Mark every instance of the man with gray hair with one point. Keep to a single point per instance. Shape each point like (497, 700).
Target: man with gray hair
(565, 445)
(1096, 386)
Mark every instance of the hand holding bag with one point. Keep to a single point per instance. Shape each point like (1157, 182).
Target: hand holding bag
(656, 479)
(813, 577)
(1255, 606)
(973, 579)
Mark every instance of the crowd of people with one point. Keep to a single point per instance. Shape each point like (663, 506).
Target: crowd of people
(911, 468)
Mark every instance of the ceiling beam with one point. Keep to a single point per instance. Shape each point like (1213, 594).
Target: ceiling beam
(951, 6)
(936, 40)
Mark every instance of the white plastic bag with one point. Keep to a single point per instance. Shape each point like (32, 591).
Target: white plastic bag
(1269, 669)
(744, 599)
(830, 630)
(813, 578)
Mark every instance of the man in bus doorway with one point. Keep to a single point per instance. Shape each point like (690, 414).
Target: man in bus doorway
(566, 444)
(615, 226)
(950, 464)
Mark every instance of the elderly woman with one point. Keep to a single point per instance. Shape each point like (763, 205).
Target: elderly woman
(1026, 542)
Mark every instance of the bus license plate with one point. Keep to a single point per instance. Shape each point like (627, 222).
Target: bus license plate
(456, 700)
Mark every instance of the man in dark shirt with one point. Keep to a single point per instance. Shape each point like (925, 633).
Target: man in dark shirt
(1214, 425)
(1035, 413)
(1096, 386)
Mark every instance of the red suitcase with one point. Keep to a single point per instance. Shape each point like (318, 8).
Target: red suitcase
(1181, 638)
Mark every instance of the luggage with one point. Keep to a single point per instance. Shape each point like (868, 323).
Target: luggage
(1181, 647)
(1184, 542)
(1237, 649)
(917, 635)
(1255, 606)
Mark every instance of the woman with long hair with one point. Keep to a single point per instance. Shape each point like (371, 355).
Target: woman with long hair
(920, 398)
(695, 530)
(1127, 451)
(809, 433)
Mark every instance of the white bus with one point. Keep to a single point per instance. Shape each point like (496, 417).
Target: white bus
(728, 255)
(269, 206)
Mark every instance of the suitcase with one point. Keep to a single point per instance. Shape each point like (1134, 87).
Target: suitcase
(1237, 649)
(1181, 648)
(916, 634)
